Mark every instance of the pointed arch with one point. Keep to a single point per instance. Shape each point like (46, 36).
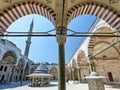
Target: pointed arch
(33, 69)
(74, 63)
(17, 10)
(94, 41)
(100, 10)
(105, 44)
(27, 68)
(10, 57)
(21, 63)
(81, 56)
(54, 72)
(54, 69)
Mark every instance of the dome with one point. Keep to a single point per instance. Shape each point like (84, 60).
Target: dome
(41, 69)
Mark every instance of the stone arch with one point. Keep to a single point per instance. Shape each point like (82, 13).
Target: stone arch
(107, 60)
(33, 69)
(105, 44)
(100, 45)
(26, 70)
(70, 66)
(21, 63)
(82, 63)
(74, 63)
(96, 44)
(81, 55)
(17, 10)
(103, 25)
(27, 67)
(54, 71)
(10, 57)
(67, 69)
(95, 40)
(74, 69)
(20, 68)
(54, 68)
(105, 29)
(100, 10)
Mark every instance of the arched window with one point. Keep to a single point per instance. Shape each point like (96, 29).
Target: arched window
(1, 68)
(5, 69)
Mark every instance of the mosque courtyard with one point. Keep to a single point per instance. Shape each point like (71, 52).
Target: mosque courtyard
(53, 86)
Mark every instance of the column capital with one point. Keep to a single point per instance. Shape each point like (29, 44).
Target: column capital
(61, 35)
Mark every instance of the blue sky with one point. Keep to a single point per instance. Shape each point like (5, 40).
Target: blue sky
(45, 49)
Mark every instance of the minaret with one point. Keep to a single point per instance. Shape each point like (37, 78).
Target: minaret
(28, 41)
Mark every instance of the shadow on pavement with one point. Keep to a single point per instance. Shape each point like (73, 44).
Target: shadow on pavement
(12, 85)
(115, 86)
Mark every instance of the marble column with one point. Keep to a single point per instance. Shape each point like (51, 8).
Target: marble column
(73, 74)
(61, 39)
(70, 74)
(90, 65)
(12, 74)
(79, 75)
(23, 74)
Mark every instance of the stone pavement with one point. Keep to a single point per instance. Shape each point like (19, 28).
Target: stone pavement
(53, 86)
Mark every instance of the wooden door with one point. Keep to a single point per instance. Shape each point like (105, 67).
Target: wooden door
(110, 76)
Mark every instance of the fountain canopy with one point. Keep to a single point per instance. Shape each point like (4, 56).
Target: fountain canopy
(40, 76)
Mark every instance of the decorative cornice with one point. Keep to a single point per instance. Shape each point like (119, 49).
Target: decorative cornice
(9, 16)
(7, 1)
(72, 1)
(49, 1)
(113, 1)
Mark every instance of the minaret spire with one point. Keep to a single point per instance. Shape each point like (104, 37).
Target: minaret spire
(28, 41)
